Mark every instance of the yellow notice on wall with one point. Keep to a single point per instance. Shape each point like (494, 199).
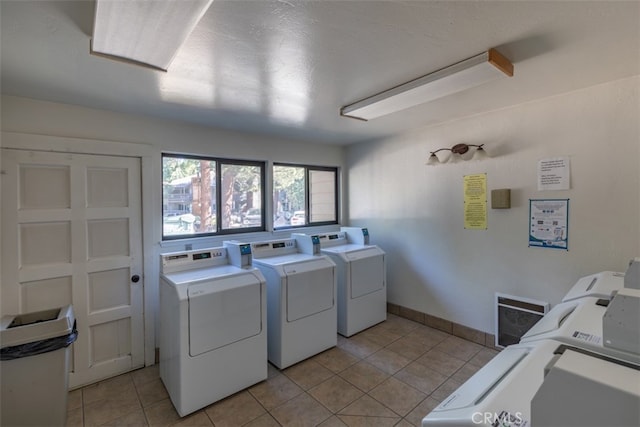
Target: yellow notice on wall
(475, 201)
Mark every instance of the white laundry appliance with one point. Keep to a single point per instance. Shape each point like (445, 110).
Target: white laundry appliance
(500, 392)
(600, 285)
(301, 298)
(362, 283)
(580, 323)
(582, 388)
(213, 334)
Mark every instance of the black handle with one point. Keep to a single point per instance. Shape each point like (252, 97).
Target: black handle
(135, 278)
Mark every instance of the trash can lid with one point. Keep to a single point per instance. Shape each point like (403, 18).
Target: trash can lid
(30, 327)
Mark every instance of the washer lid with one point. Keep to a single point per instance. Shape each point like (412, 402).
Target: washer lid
(189, 276)
(485, 379)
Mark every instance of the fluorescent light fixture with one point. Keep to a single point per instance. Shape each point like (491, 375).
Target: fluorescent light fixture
(466, 74)
(145, 32)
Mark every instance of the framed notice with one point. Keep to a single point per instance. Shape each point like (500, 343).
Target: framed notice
(549, 223)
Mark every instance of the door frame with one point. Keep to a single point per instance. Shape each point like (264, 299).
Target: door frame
(150, 168)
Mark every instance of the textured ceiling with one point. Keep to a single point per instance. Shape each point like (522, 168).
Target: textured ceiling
(285, 68)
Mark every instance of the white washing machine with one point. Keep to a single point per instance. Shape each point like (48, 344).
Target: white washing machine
(301, 299)
(579, 323)
(600, 285)
(213, 335)
(500, 392)
(582, 388)
(362, 283)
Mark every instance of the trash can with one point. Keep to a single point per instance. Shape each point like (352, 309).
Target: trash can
(34, 367)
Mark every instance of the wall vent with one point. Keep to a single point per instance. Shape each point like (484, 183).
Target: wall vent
(515, 316)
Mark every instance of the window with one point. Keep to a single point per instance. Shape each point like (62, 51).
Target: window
(204, 196)
(304, 195)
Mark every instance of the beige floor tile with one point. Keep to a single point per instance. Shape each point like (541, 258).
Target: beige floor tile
(388, 361)
(359, 346)
(264, 420)
(198, 419)
(397, 396)
(364, 375)
(421, 377)
(427, 336)
(151, 392)
(419, 412)
(117, 388)
(161, 414)
(308, 373)
(106, 410)
(360, 421)
(459, 348)
(380, 336)
(302, 410)
(399, 325)
(465, 372)
(74, 418)
(272, 371)
(336, 359)
(235, 410)
(369, 407)
(408, 348)
(335, 393)
(404, 423)
(446, 389)
(275, 391)
(133, 419)
(441, 362)
(144, 375)
(483, 357)
(74, 399)
(332, 421)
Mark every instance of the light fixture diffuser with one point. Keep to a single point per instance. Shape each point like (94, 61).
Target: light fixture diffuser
(145, 32)
(466, 74)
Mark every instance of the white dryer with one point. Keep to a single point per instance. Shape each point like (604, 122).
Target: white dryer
(600, 285)
(213, 335)
(301, 299)
(578, 323)
(500, 392)
(362, 278)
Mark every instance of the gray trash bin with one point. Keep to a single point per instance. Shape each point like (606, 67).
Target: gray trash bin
(34, 367)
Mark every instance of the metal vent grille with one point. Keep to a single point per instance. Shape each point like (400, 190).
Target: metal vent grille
(515, 316)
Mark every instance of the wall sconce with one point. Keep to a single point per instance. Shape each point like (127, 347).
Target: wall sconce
(456, 154)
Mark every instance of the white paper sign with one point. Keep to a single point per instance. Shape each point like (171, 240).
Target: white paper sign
(554, 174)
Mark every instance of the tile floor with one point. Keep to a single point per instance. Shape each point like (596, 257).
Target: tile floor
(391, 374)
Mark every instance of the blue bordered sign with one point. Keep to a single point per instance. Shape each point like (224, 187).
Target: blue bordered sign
(549, 223)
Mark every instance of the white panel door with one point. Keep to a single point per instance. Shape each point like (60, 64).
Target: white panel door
(71, 234)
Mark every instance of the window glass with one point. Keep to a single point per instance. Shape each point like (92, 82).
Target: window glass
(204, 196)
(322, 196)
(241, 196)
(289, 196)
(304, 195)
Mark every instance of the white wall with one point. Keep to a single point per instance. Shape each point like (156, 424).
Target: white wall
(415, 212)
(93, 127)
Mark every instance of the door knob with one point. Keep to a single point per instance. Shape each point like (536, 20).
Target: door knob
(135, 278)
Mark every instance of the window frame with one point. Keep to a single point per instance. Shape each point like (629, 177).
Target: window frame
(219, 163)
(307, 199)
